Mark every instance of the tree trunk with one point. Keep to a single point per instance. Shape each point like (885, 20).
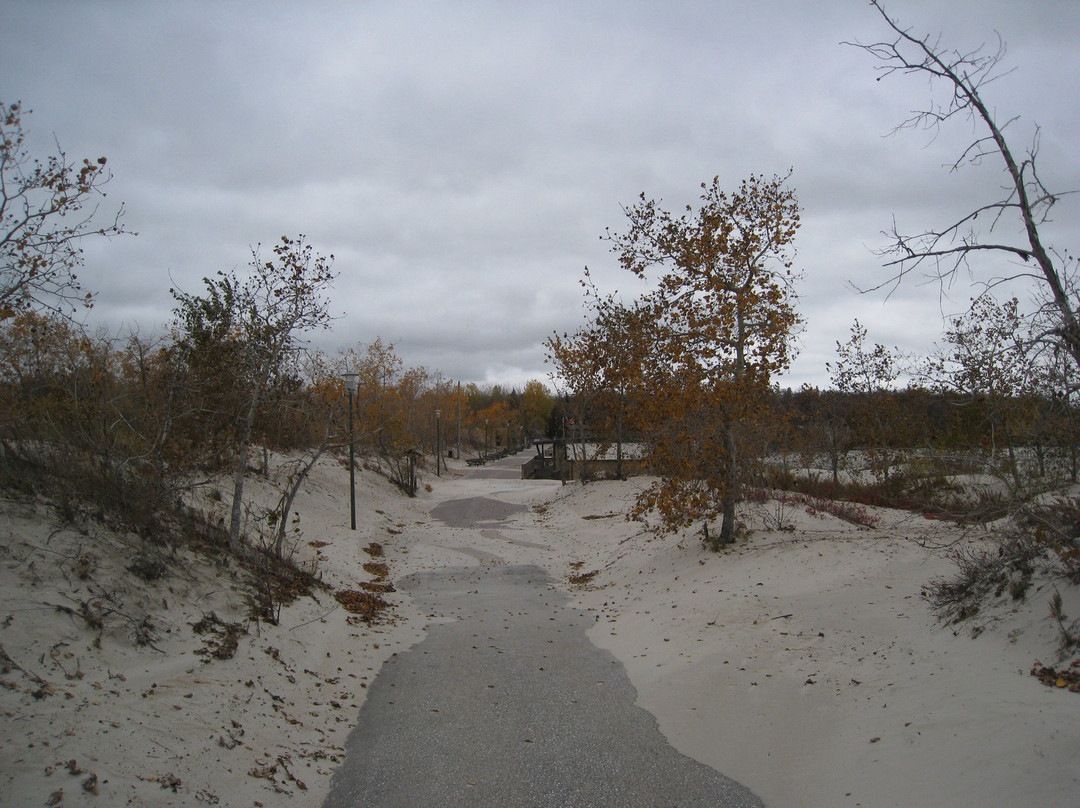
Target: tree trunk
(731, 495)
(237, 499)
(291, 490)
(618, 447)
(727, 526)
(584, 476)
(1014, 466)
(238, 480)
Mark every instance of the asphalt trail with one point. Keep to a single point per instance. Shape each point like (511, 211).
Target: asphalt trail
(508, 705)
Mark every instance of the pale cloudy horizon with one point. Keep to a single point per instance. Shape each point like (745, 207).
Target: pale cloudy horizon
(462, 160)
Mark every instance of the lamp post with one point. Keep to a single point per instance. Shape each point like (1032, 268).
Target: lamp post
(438, 442)
(351, 379)
(486, 437)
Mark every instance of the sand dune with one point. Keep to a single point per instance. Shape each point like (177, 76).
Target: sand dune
(803, 663)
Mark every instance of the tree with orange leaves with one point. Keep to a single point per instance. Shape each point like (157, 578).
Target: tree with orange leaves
(722, 319)
(601, 366)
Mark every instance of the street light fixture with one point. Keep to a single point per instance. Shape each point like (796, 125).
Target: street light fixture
(438, 442)
(351, 378)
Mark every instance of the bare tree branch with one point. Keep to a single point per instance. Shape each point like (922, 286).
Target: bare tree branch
(47, 209)
(967, 74)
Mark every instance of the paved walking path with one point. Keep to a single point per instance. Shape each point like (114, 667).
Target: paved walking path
(509, 704)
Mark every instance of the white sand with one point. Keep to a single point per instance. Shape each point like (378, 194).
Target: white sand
(803, 664)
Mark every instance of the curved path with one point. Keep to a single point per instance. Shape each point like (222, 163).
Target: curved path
(509, 704)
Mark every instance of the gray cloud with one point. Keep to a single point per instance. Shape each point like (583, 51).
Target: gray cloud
(462, 159)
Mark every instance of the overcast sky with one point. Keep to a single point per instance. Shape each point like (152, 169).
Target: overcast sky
(462, 159)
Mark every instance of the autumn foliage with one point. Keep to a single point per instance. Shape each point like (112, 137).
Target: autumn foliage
(698, 353)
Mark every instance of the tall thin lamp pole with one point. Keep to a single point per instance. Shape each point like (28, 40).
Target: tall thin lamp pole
(438, 442)
(459, 420)
(350, 383)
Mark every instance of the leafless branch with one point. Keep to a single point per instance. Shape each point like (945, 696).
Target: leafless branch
(967, 75)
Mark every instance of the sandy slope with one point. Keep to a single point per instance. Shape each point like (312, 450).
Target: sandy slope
(158, 724)
(802, 663)
(807, 666)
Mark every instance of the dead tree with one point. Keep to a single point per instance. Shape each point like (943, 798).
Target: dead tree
(1026, 201)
